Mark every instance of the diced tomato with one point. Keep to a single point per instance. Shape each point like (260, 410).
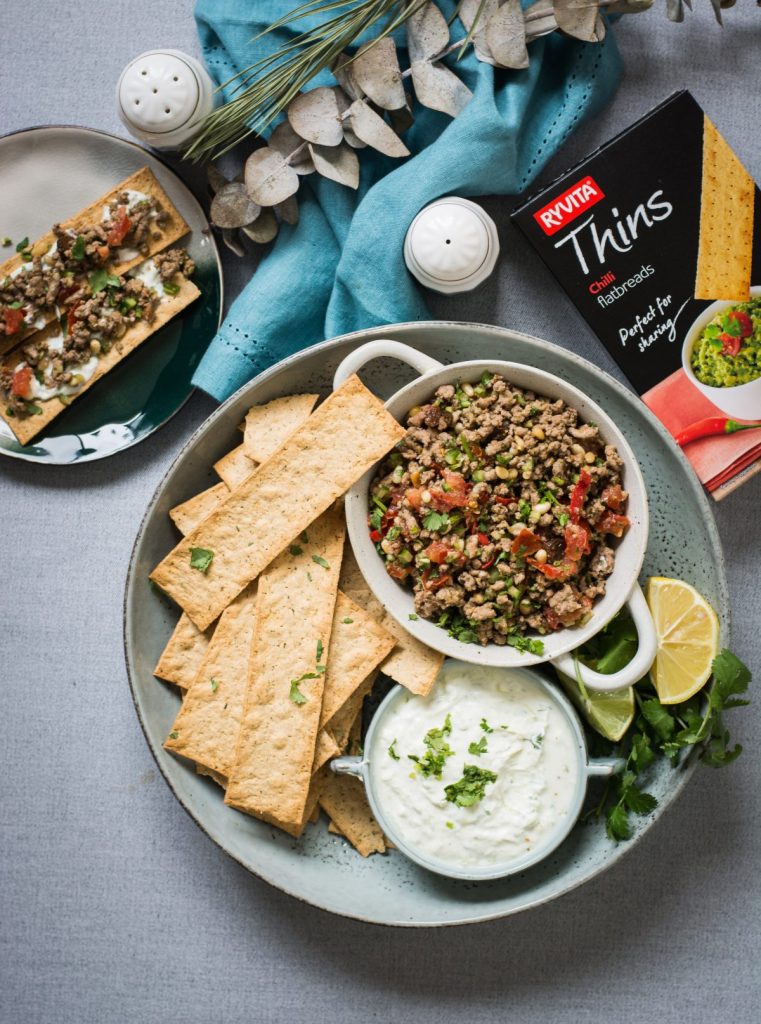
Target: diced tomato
(437, 582)
(438, 551)
(375, 536)
(503, 501)
(103, 251)
(483, 539)
(456, 496)
(397, 571)
(614, 496)
(120, 227)
(490, 563)
(551, 618)
(576, 541)
(564, 571)
(579, 495)
(14, 318)
(526, 543)
(414, 496)
(612, 523)
(744, 320)
(21, 382)
(730, 345)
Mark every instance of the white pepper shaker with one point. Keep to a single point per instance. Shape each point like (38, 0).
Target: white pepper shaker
(451, 245)
(162, 96)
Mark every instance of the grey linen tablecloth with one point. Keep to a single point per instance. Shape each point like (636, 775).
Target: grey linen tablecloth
(113, 905)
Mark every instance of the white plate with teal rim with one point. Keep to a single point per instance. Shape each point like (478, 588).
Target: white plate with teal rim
(321, 868)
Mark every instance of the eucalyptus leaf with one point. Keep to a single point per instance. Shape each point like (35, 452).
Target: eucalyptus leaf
(316, 116)
(354, 141)
(403, 118)
(675, 10)
(505, 33)
(286, 142)
(479, 13)
(231, 207)
(717, 5)
(231, 240)
(372, 129)
(339, 163)
(540, 19)
(215, 177)
(269, 179)
(427, 33)
(288, 210)
(264, 228)
(343, 72)
(580, 19)
(439, 88)
(376, 71)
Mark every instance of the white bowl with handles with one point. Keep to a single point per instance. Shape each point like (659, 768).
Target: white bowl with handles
(741, 400)
(622, 586)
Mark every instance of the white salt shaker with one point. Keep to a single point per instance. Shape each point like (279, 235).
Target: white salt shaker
(451, 245)
(162, 96)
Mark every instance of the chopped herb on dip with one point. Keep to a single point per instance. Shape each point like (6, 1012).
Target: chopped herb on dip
(471, 787)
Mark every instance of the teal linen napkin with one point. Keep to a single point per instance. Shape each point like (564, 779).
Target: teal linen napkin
(341, 268)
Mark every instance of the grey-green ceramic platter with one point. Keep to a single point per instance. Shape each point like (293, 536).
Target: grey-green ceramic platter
(320, 868)
(46, 175)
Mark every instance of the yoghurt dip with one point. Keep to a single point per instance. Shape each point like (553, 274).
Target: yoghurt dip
(481, 774)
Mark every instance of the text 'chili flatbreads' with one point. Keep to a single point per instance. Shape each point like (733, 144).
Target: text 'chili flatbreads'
(207, 724)
(725, 246)
(349, 432)
(183, 654)
(296, 597)
(267, 426)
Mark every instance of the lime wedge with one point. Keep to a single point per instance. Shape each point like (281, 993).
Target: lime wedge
(609, 713)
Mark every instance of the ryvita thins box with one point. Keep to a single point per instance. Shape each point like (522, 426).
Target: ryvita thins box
(656, 238)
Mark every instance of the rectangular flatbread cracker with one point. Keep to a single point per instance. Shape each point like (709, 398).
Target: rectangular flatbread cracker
(325, 750)
(345, 720)
(272, 771)
(359, 644)
(29, 427)
(207, 724)
(234, 467)
(725, 242)
(267, 426)
(343, 800)
(342, 438)
(181, 658)
(188, 514)
(411, 663)
(143, 180)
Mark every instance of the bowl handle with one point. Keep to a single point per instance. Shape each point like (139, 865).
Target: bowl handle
(353, 765)
(376, 350)
(646, 649)
(605, 765)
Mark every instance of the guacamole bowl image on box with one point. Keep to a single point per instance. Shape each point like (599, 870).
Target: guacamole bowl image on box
(483, 778)
(721, 355)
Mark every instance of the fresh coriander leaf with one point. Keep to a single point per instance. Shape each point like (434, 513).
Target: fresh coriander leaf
(730, 676)
(295, 693)
(471, 788)
(171, 288)
(173, 735)
(201, 559)
(100, 279)
(478, 748)
(319, 560)
(78, 249)
(412, 617)
(392, 751)
(449, 824)
(32, 408)
(22, 245)
(658, 717)
(485, 726)
(295, 550)
(639, 802)
(525, 644)
(434, 521)
(617, 823)
(320, 650)
(537, 741)
(214, 684)
(347, 621)
(642, 753)
(437, 752)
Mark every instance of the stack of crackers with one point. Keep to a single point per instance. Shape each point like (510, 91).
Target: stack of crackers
(280, 640)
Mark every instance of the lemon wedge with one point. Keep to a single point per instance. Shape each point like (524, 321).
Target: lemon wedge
(610, 714)
(688, 638)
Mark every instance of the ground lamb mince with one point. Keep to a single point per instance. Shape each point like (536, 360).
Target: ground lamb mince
(93, 317)
(499, 508)
(45, 281)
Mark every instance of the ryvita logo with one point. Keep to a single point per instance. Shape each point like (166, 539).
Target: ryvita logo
(568, 206)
